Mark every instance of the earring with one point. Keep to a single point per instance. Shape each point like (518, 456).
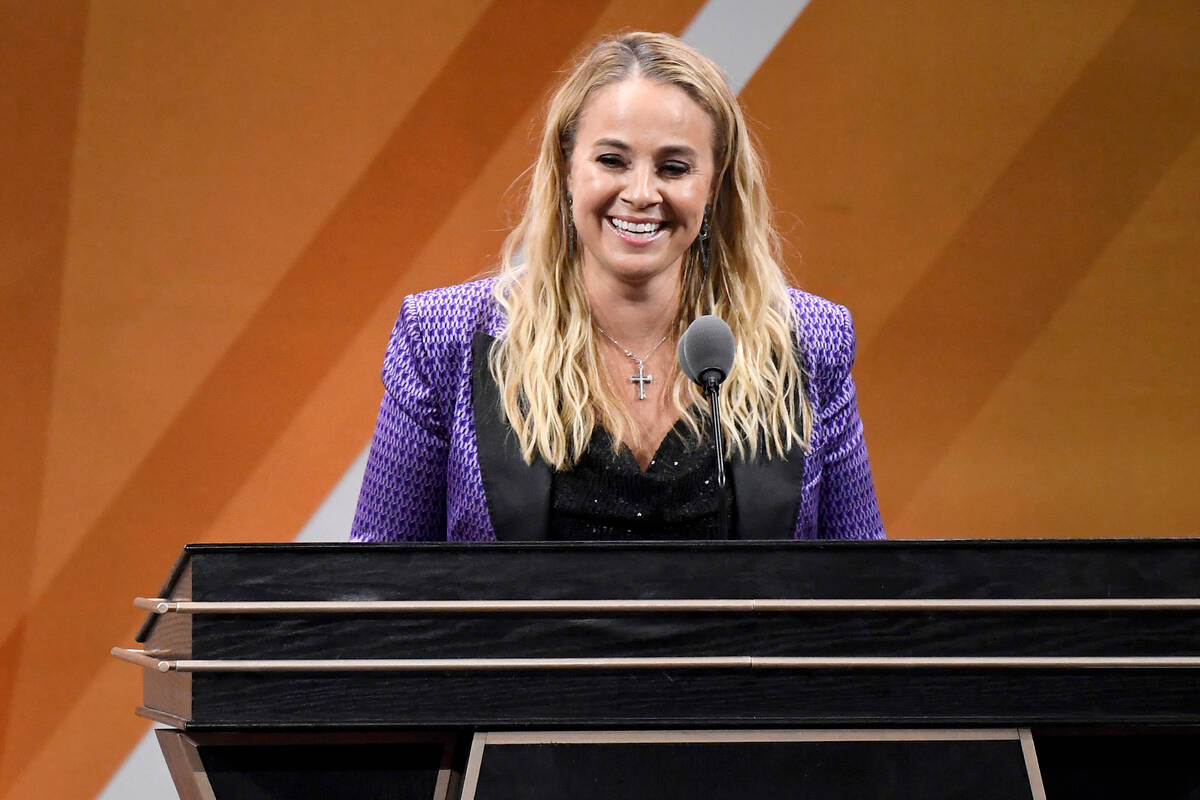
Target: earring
(705, 241)
(570, 225)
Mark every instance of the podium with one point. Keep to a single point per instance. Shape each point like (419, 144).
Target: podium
(1030, 669)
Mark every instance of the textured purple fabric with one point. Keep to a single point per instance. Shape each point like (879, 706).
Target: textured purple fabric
(423, 480)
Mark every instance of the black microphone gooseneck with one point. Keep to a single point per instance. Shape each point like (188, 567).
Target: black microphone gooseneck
(712, 388)
(706, 352)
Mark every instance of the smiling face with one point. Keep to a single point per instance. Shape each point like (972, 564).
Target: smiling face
(640, 175)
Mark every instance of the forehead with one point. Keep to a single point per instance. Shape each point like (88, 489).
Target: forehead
(645, 114)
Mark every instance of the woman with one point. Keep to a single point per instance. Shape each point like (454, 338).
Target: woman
(546, 403)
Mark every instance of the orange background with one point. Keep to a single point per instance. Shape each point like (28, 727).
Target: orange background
(211, 212)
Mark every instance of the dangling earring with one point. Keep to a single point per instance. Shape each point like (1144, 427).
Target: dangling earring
(570, 225)
(705, 242)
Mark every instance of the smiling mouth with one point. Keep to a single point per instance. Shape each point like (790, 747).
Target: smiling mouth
(636, 230)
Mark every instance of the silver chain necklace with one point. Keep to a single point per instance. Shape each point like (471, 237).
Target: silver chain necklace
(641, 378)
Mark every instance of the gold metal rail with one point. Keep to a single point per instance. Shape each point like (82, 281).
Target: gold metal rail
(150, 660)
(159, 605)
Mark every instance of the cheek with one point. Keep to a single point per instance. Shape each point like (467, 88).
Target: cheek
(590, 185)
(694, 199)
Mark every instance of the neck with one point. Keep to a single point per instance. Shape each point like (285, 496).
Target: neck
(636, 315)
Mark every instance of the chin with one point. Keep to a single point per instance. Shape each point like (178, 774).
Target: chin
(640, 272)
(641, 266)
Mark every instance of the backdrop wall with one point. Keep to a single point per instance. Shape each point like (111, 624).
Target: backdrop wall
(212, 212)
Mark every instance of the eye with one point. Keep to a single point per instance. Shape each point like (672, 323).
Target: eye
(675, 169)
(611, 160)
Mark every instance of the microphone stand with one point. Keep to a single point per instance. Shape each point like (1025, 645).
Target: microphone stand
(712, 388)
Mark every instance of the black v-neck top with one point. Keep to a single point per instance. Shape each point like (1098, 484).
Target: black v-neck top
(607, 496)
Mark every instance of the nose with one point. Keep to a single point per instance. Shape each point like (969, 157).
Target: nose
(642, 190)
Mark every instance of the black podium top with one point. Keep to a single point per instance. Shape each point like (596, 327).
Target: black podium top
(807, 633)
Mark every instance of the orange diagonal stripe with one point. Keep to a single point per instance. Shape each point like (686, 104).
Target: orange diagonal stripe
(41, 55)
(1067, 193)
(497, 73)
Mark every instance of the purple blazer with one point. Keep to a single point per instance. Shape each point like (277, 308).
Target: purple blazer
(444, 464)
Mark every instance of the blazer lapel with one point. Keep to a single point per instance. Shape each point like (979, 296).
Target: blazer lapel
(518, 494)
(767, 496)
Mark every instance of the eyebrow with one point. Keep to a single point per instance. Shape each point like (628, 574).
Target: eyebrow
(663, 152)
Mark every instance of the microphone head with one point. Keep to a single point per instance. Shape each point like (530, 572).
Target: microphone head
(707, 349)
(682, 357)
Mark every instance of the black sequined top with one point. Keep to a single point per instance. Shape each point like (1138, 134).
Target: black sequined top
(607, 496)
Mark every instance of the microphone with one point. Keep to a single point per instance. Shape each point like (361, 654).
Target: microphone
(705, 354)
(682, 356)
(706, 351)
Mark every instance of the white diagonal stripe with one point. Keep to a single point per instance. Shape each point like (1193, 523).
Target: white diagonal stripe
(740, 34)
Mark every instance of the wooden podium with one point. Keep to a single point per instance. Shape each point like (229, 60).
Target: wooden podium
(984, 669)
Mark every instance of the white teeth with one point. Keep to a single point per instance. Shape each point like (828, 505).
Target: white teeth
(635, 227)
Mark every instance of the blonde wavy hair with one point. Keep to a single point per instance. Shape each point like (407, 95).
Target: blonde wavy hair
(547, 363)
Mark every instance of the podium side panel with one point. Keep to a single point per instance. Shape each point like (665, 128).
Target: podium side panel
(184, 764)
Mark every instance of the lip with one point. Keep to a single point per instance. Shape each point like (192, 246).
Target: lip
(633, 239)
(636, 220)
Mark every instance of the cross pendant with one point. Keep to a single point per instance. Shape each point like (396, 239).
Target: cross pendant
(641, 379)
